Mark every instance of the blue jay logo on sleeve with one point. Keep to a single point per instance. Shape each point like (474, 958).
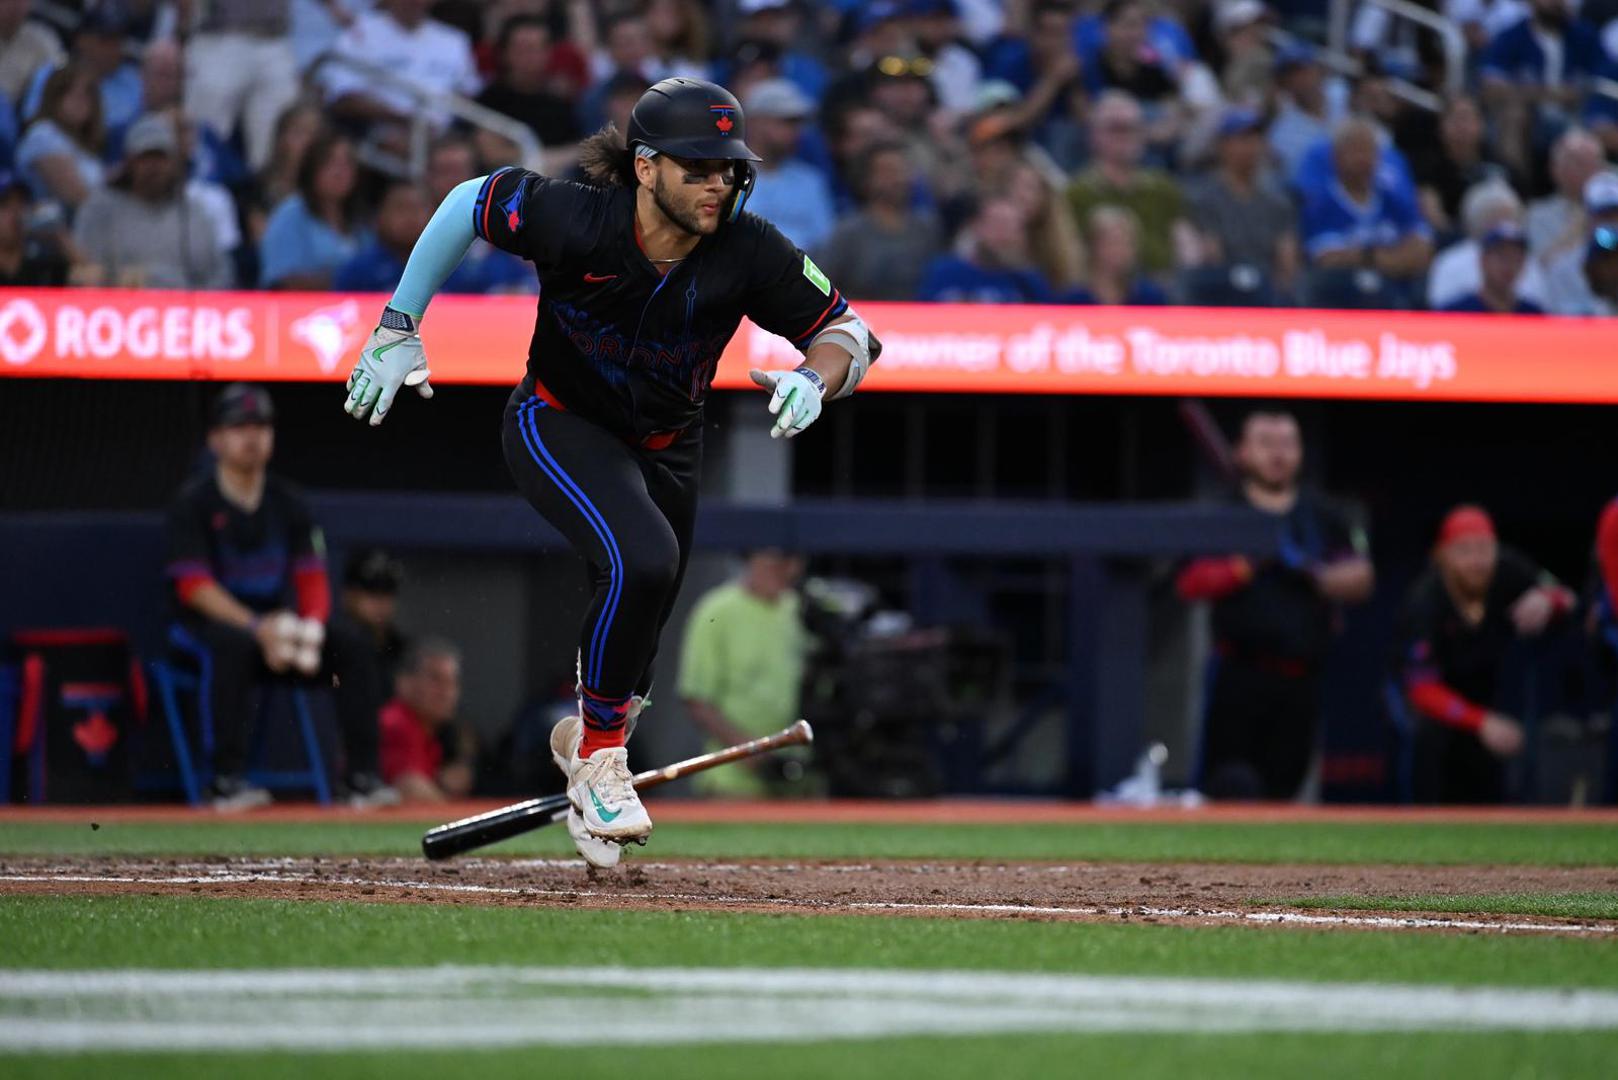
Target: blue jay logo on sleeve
(512, 207)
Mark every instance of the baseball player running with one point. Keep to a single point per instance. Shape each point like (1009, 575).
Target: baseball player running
(645, 274)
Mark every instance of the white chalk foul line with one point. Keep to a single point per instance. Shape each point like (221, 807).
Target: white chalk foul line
(1380, 922)
(340, 1009)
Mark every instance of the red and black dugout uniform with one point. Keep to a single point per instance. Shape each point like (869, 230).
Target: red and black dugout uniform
(604, 433)
(1272, 630)
(1449, 668)
(270, 558)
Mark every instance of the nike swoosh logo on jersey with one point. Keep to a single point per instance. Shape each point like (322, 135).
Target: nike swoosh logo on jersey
(596, 279)
(607, 816)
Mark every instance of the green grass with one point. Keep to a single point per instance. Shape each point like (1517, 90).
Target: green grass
(1302, 842)
(184, 932)
(1531, 1056)
(170, 932)
(1569, 905)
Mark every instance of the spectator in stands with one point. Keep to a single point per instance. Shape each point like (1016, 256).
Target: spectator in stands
(295, 131)
(1273, 620)
(1575, 158)
(451, 159)
(370, 605)
(1054, 239)
(399, 38)
(1534, 75)
(1459, 621)
(1241, 218)
(741, 666)
(1128, 62)
(26, 48)
(1601, 272)
(27, 258)
(852, 130)
(1117, 178)
(957, 72)
(789, 192)
(1459, 160)
(1113, 237)
(240, 70)
(1458, 270)
(880, 251)
(900, 88)
(1305, 113)
(1043, 65)
(993, 265)
(1360, 220)
(1248, 75)
(1568, 284)
(779, 24)
(244, 555)
(147, 229)
(98, 47)
(60, 152)
(315, 230)
(426, 756)
(1502, 255)
(522, 91)
(679, 33)
(401, 215)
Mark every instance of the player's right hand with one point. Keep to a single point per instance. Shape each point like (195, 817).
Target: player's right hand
(393, 357)
(1502, 735)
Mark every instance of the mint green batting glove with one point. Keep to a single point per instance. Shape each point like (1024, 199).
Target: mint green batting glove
(393, 357)
(794, 399)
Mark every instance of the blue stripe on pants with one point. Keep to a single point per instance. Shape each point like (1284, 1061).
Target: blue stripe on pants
(615, 563)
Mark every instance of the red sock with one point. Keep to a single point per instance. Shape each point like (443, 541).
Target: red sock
(593, 740)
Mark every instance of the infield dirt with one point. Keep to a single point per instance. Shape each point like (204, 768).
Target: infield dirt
(1188, 893)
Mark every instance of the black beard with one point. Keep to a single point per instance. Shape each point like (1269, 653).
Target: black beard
(686, 221)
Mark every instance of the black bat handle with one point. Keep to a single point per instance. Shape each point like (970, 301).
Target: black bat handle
(447, 841)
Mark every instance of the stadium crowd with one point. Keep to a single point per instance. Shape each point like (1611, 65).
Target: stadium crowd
(1038, 151)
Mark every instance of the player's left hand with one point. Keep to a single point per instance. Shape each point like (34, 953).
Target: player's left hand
(392, 358)
(794, 399)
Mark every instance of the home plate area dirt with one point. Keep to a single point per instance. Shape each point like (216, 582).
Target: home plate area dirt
(1186, 893)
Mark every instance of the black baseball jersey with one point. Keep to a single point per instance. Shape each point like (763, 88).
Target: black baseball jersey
(1435, 639)
(253, 556)
(1281, 613)
(615, 340)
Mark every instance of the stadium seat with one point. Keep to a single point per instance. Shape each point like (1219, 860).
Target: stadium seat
(170, 681)
(1240, 285)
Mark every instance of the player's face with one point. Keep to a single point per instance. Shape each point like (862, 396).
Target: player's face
(244, 447)
(1271, 451)
(375, 609)
(1468, 563)
(692, 193)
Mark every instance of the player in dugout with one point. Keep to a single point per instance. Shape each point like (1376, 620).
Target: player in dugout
(646, 271)
(1459, 620)
(248, 567)
(1273, 620)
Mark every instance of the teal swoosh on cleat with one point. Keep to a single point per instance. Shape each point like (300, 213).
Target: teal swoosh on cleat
(608, 816)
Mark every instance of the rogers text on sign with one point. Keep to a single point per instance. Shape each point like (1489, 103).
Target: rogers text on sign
(180, 332)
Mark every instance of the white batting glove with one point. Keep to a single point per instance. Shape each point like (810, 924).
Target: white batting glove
(795, 398)
(392, 357)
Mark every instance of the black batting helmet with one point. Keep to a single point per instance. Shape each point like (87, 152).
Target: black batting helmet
(697, 120)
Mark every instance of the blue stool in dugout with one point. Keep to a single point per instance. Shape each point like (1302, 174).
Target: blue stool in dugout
(169, 681)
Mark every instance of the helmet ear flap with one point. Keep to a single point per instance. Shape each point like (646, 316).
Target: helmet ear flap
(746, 175)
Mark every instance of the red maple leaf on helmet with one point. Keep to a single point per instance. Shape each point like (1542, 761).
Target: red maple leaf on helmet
(724, 124)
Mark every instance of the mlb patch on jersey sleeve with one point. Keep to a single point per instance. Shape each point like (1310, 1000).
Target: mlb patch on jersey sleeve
(816, 277)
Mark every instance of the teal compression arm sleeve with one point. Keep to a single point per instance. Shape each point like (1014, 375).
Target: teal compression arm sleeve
(438, 251)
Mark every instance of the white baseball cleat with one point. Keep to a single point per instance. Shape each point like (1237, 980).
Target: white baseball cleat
(602, 790)
(601, 854)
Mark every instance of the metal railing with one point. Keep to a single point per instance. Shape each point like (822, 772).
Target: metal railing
(428, 105)
(1449, 35)
(1342, 63)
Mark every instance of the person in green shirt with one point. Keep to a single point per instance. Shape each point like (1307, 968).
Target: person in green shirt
(1116, 177)
(741, 668)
